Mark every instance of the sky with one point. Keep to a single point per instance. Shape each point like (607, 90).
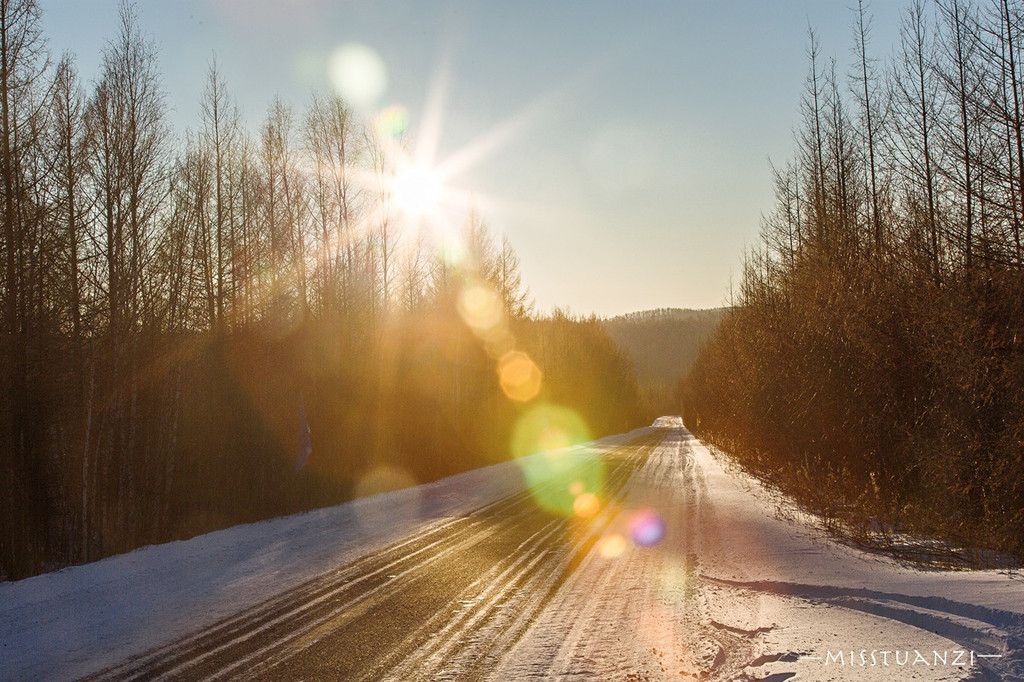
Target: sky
(622, 147)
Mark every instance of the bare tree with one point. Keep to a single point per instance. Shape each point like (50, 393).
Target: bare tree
(382, 157)
(812, 141)
(70, 212)
(412, 276)
(22, 58)
(509, 281)
(220, 132)
(962, 87)
(333, 143)
(866, 78)
(125, 122)
(915, 102)
(284, 212)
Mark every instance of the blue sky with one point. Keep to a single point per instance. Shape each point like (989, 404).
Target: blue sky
(638, 166)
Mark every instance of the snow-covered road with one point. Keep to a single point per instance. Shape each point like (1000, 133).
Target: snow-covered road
(741, 588)
(665, 564)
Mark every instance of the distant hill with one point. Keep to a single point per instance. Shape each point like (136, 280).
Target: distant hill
(663, 343)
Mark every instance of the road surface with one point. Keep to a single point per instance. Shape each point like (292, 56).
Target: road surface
(664, 565)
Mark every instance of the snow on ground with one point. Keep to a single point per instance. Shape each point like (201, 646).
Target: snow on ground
(860, 602)
(737, 590)
(80, 620)
(732, 588)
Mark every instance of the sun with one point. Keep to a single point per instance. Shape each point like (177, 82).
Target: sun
(417, 190)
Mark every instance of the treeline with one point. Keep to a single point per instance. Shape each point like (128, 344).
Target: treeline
(874, 362)
(239, 325)
(663, 346)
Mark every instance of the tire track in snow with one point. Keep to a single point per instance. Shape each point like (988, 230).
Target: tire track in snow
(643, 615)
(491, 622)
(976, 628)
(431, 544)
(500, 563)
(850, 616)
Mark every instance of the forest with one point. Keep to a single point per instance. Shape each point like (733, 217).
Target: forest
(225, 325)
(662, 345)
(873, 362)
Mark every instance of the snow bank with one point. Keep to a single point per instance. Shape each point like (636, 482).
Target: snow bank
(82, 619)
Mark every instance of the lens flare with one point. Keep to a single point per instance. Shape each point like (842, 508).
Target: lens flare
(359, 75)
(586, 505)
(498, 342)
(536, 425)
(480, 308)
(611, 546)
(391, 123)
(646, 527)
(451, 250)
(554, 438)
(520, 379)
(551, 471)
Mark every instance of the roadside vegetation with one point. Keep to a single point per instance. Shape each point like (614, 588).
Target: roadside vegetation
(873, 363)
(223, 325)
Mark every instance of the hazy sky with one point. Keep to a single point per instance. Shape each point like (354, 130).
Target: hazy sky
(627, 142)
